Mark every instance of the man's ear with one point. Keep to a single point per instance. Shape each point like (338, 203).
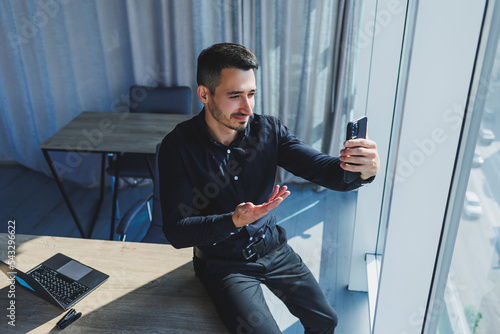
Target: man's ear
(203, 93)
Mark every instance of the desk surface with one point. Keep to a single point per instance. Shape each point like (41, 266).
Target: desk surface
(151, 289)
(111, 132)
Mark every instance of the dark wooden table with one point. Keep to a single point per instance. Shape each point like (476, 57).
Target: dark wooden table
(105, 133)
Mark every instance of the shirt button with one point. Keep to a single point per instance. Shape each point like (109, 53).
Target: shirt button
(236, 178)
(231, 233)
(215, 243)
(251, 238)
(228, 151)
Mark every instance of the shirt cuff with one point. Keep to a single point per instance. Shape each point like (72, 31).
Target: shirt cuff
(226, 227)
(362, 182)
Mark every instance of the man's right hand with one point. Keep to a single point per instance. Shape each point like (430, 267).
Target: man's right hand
(247, 213)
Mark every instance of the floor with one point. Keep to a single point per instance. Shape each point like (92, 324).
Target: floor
(319, 226)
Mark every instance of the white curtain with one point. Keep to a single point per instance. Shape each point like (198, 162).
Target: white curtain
(62, 57)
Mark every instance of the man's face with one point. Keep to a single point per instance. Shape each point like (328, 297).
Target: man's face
(233, 100)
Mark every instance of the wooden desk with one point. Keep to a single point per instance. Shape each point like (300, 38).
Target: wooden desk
(151, 289)
(105, 132)
(109, 132)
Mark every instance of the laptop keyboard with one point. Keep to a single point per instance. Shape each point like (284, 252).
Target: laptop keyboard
(62, 288)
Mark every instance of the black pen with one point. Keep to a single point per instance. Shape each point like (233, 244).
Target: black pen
(70, 321)
(68, 318)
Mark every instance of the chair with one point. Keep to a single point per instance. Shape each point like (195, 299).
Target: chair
(172, 100)
(169, 100)
(155, 233)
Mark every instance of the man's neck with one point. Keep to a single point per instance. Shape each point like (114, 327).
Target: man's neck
(218, 131)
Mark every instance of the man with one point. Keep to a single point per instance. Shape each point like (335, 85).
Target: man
(217, 187)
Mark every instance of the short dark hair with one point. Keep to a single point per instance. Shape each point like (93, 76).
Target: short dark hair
(217, 57)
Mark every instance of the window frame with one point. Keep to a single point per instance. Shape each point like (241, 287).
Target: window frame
(378, 74)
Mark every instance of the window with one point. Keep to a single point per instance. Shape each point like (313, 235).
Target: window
(467, 292)
(437, 63)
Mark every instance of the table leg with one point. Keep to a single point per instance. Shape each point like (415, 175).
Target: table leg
(115, 196)
(101, 195)
(150, 166)
(63, 192)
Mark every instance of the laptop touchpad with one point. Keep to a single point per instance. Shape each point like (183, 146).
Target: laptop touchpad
(74, 270)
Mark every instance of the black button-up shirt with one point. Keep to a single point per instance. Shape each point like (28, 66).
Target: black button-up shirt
(202, 181)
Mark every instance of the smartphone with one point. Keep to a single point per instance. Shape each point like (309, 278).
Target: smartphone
(355, 129)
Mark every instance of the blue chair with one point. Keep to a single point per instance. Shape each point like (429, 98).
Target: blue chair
(170, 100)
(155, 233)
(164, 100)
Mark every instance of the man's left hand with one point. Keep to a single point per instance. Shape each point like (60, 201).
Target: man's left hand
(360, 155)
(247, 213)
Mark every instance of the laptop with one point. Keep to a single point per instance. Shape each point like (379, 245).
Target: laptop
(60, 280)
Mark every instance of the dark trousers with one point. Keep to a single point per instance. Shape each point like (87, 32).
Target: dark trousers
(234, 287)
